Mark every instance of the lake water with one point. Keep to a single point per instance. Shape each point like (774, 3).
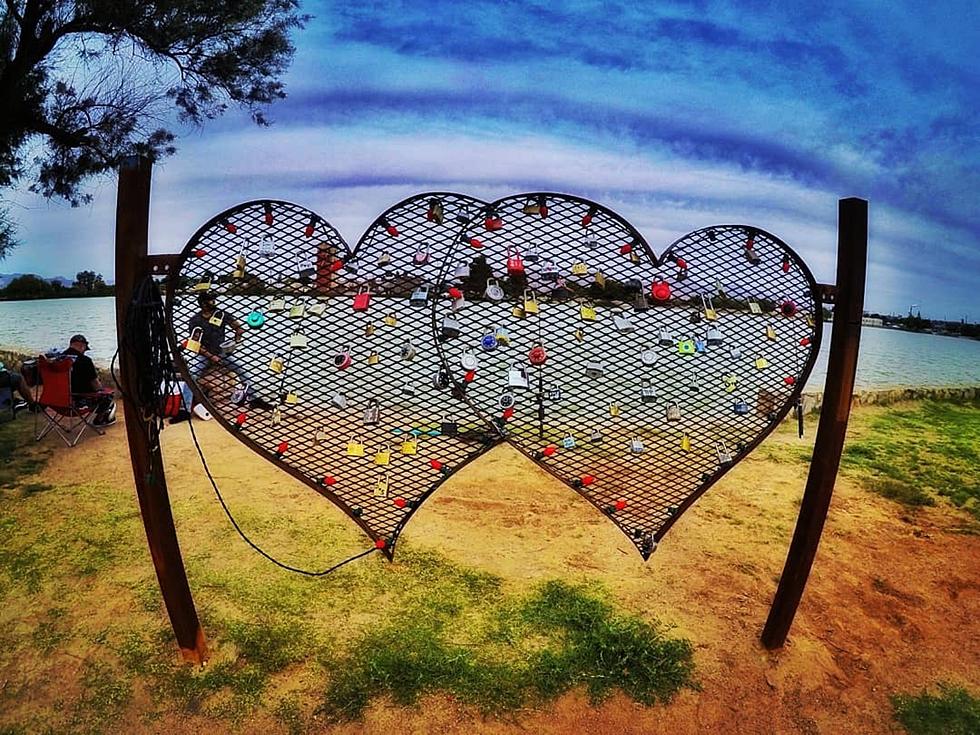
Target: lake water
(888, 357)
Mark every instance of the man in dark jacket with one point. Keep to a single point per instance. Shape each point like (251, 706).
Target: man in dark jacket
(86, 386)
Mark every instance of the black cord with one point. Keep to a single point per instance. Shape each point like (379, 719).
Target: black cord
(145, 344)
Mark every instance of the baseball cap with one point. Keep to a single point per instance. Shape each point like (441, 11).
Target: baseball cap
(78, 338)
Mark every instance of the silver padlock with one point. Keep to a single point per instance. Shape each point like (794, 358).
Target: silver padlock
(493, 291)
(462, 271)
(550, 271)
(594, 369)
(338, 399)
(517, 376)
(408, 389)
(666, 340)
(674, 411)
(724, 456)
(623, 324)
(740, 407)
(735, 352)
(648, 357)
(372, 414)
(298, 340)
(636, 445)
(450, 327)
(407, 351)
(713, 336)
(648, 393)
(595, 436)
(420, 296)
(468, 361)
(568, 442)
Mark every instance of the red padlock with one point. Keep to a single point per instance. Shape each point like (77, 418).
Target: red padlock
(508, 412)
(363, 299)
(681, 263)
(537, 355)
(587, 480)
(455, 293)
(229, 226)
(515, 263)
(493, 223)
(549, 450)
(399, 502)
(389, 228)
(329, 480)
(282, 448)
(626, 248)
(660, 290)
(268, 213)
(199, 253)
(435, 464)
(789, 380)
(310, 226)
(620, 504)
(475, 243)
(240, 420)
(587, 218)
(380, 543)
(470, 376)
(805, 342)
(336, 265)
(788, 308)
(785, 262)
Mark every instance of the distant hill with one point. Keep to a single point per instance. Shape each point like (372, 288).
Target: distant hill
(6, 278)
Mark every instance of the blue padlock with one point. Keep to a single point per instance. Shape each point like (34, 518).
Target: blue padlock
(255, 319)
(740, 407)
(489, 342)
(700, 346)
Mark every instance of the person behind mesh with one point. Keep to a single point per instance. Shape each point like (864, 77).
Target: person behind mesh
(86, 386)
(217, 350)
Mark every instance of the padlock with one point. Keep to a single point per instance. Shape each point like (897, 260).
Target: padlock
(305, 268)
(740, 407)
(492, 222)
(666, 339)
(550, 271)
(276, 303)
(614, 409)
(460, 303)
(390, 320)
(369, 329)
(383, 456)
(342, 360)
(204, 283)
(709, 308)
(450, 327)
(537, 355)
(517, 376)
(600, 279)
(682, 271)
(640, 302)
(255, 318)
(276, 417)
(695, 317)
(761, 363)
(532, 254)
(594, 369)
(809, 319)
(320, 436)
(297, 310)
(276, 364)
(506, 400)
(468, 361)
(648, 357)
(674, 411)
(488, 342)
(686, 347)
(724, 456)
(660, 290)
(410, 446)
(462, 270)
(770, 333)
(240, 263)
(381, 486)
(713, 336)
(384, 259)
(518, 312)
(435, 212)
(531, 206)
(267, 246)
(731, 382)
(373, 358)
(420, 296)
(694, 384)
(648, 393)
(589, 239)
(338, 399)
(441, 379)
(408, 389)
(515, 263)
(530, 302)
(735, 352)
(686, 443)
(372, 413)
(553, 394)
(317, 308)
(636, 445)
(580, 269)
(363, 299)
(595, 436)
(579, 335)
(623, 324)
(493, 291)
(298, 339)
(750, 253)
(354, 449)
(240, 394)
(754, 307)
(700, 345)
(448, 427)
(407, 350)
(421, 257)
(194, 341)
(502, 335)
(290, 398)
(568, 442)
(587, 311)
(217, 318)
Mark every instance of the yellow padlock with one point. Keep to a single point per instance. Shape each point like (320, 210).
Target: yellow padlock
(530, 303)
(614, 409)
(686, 443)
(292, 398)
(374, 358)
(600, 279)
(276, 364)
(410, 446)
(761, 363)
(381, 487)
(203, 285)
(217, 318)
(194, 341)
(587, 311)
(754, 307)
(518, 312)
(579, 335)
(770, 333)
(369, 329)
(390, 320)
(297, 310)
(354, 449)
(383, 456)
(580, 269)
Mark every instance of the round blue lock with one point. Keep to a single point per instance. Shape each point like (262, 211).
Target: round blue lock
(255, 318)
(489, 342)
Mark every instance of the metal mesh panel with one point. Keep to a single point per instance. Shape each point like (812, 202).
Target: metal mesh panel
(595, 413)
(298, 282)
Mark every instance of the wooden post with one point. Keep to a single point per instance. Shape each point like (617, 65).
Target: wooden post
(132, 226)
(852, 260)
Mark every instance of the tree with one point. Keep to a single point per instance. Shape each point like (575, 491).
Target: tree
(27, 287)
(85, 281)
(94, 81)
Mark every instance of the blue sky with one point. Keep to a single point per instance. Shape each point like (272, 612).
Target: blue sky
(678, 115)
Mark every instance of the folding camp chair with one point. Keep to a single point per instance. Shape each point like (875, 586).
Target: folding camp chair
(58, 405)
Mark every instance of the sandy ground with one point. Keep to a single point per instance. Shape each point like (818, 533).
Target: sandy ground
(892, 604)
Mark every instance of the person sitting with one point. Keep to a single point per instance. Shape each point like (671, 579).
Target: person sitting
(13, 382)
(216, 350)
(86, 385)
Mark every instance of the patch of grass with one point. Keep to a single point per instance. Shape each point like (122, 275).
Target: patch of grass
(20, 456)
(953, 711)
(534, 649)
(50, 633)
(914, 455)
(288, 713)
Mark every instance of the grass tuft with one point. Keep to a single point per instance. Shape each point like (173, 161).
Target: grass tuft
(953, 711)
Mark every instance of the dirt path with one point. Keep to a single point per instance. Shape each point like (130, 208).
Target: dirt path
(893, 603)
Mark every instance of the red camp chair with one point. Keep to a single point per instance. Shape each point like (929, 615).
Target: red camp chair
(59, 405)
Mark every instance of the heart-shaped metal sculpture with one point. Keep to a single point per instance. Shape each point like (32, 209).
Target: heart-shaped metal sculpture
(372, 374)
(637, 380)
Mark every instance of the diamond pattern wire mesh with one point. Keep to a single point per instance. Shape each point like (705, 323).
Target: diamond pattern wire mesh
(595, 414)
(431, 308)
(302, 280)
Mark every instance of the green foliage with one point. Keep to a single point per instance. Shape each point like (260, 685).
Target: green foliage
(953, 711)
(20, 457)
(914, 455)
(531, 650)
(30, 286)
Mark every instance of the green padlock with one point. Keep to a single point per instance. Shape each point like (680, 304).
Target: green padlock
(686, 347)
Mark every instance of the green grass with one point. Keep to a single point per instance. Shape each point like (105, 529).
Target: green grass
(20, 457)
(918, 454)
(953, 711)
